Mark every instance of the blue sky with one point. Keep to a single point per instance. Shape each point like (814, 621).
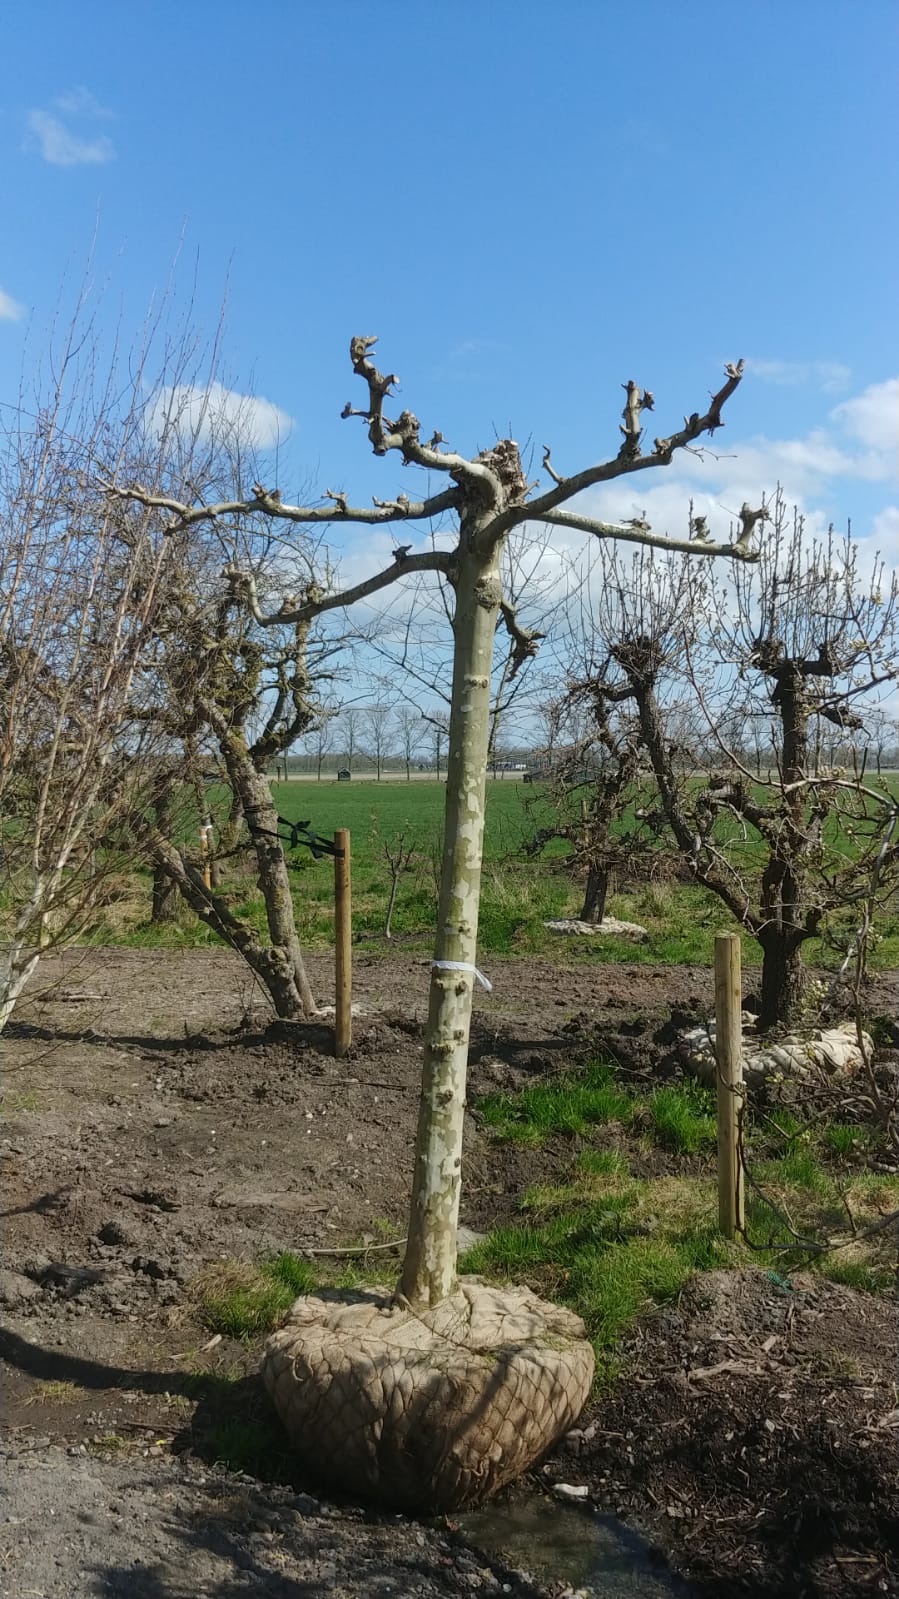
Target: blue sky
(529, 203)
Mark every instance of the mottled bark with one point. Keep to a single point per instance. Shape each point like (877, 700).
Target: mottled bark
(430, 1264)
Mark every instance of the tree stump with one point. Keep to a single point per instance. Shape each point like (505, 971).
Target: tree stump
(427, 1410)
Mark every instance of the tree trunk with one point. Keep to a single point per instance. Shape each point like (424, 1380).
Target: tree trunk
(596, 893)
(16, 966)
(273, 880)
(784, 891)
(429, 1270)
(271, 965)
(783, 979)
(165, 897)
(165, 891)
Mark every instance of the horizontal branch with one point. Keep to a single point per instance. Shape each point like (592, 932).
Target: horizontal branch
(639, 533)
(269, 503)
(318, 603)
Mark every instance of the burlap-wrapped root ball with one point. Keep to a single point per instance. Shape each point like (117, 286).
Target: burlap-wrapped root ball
(427, 1411)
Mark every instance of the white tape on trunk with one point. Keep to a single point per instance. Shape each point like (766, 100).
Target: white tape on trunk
(462, 966)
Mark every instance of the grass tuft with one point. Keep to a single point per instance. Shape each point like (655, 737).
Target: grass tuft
(845, 1138)
(602, 1163)
(868, 1277)
(242, 1301)
(296, 1274)
(258, 1448)
(54, 1391)
(682, 1118)
(798, 1168)
(569, 1104)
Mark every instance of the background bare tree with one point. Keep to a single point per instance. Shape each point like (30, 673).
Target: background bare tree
(379, 732)
(80, 583)
(595, 782)
(228, 699)
(132, 674)
(321, 737)
(776, 832)
(412, 632)
(436, 721)
(410, 729)
(810, 640)
(351, 723)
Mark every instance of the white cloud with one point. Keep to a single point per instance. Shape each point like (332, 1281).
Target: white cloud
(827, 375)
(885, 534)
(62, 148)
(79, 102)
(10, 309)
(222, 414)
(59, 143)
(873, 416)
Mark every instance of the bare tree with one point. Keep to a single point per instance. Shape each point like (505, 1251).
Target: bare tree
(80, 579)
(596, 782)
(811, 641)
(321, 738)
(412, 631)
(784, 842)
(409, 723)
(488, 496)
(378, 720)
(232, 697)
(438, 721)
(351, 721)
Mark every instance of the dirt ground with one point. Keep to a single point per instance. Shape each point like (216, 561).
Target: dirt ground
(153, 1122)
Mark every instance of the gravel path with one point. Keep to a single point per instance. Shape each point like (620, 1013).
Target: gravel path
(73, 1526)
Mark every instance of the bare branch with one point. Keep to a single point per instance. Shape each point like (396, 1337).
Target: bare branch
(403, 434)
(638, 532)
(548, 466)
(629, 459)
(525, 641)
(316, 602)
(748, 520)
(185, 516)
(637, 400)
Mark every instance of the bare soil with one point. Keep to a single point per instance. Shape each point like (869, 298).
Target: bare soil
(155, 1122)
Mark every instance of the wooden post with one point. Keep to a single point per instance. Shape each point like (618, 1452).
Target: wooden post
(729, 1053)
(205, 850)
(343, 956)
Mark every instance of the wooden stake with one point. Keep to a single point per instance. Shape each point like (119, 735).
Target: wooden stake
(729, 1053)
(205, 849)
(343, 956)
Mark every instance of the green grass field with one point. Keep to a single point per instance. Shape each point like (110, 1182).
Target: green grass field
(519, 893)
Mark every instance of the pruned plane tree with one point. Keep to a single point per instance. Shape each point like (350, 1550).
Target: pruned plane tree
(488, 496)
